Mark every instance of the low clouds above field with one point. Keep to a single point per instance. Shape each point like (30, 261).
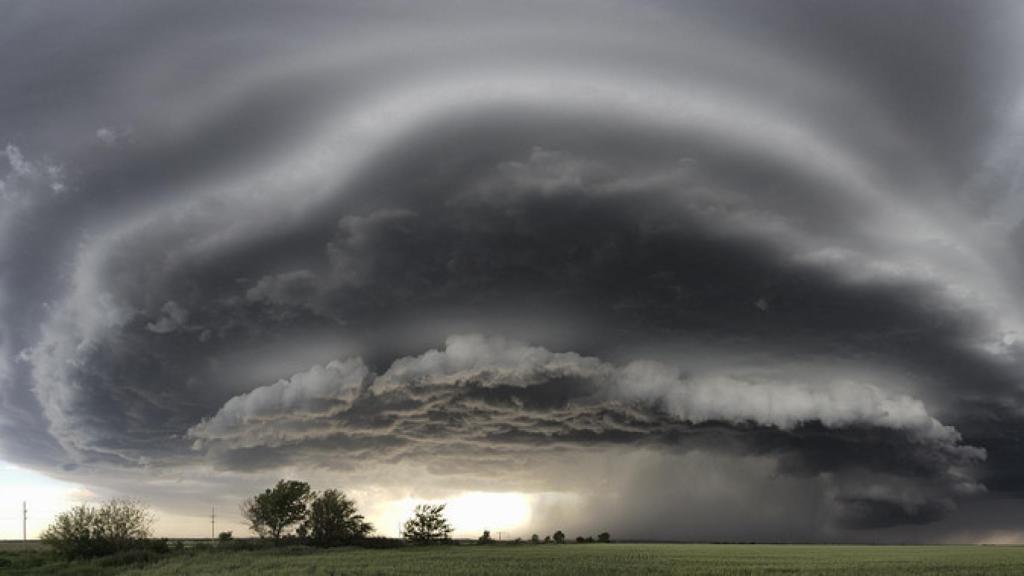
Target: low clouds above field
(662, 259)
(483, 405)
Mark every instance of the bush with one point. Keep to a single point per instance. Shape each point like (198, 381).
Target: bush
(559, 537)
(160, 546)
(485, 538)
(379, 542)
(224, 536)
(604, 537)
(87, 531)
(580, 539)
(246, 545)
(137, 556)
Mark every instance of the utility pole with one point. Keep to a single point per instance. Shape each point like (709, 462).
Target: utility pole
(213, 520)
(24, 522)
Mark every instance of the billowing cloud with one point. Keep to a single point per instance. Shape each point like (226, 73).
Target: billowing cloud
(769, 251)
(489, 397)
(316, 393)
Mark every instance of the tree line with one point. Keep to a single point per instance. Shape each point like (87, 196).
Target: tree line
(288, 511)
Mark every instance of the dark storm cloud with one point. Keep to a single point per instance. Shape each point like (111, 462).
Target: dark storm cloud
(713, 238)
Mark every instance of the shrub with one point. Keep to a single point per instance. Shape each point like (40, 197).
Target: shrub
(247, 545)
(87, 531)
(580, 539)
(137, 556)
(160, 546)
(224, 536)
(379, 542)
(485, 538)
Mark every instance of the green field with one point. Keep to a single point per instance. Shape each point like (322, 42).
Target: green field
(590, 559)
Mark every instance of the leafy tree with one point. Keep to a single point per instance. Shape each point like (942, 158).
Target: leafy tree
(72, 534)
(271, 513)
(547, 539)
(427, 525)
(123, 523)
(580, 539)
(485, 538)
(224, 536)
(559, 537)
(604, 537)
(534, 539)
(333, 520)
(86, 531)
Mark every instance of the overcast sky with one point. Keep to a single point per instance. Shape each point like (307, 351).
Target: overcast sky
(715, 270)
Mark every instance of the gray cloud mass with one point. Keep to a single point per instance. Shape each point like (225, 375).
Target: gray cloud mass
(720, 270)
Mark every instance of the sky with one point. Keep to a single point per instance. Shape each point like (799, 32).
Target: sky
(700, 270)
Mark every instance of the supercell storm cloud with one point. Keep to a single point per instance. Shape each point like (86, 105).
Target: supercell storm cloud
(721, 270)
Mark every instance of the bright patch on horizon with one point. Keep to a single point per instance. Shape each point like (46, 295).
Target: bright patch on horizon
(44, 496)
(470, 513)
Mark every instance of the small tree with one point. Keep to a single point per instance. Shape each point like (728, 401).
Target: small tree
(224, 536)
(534, 539)
(559, 537)
(334, 521)
(604, 537)
(86, 531)
(71, 533)
(271, 513)
(427, 525)
(485, 538)
(580, 539)
(547, 539)
(122, 523)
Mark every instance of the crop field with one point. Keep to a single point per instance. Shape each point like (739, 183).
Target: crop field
(590, 559)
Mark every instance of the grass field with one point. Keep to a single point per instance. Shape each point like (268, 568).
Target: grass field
(574, 559)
